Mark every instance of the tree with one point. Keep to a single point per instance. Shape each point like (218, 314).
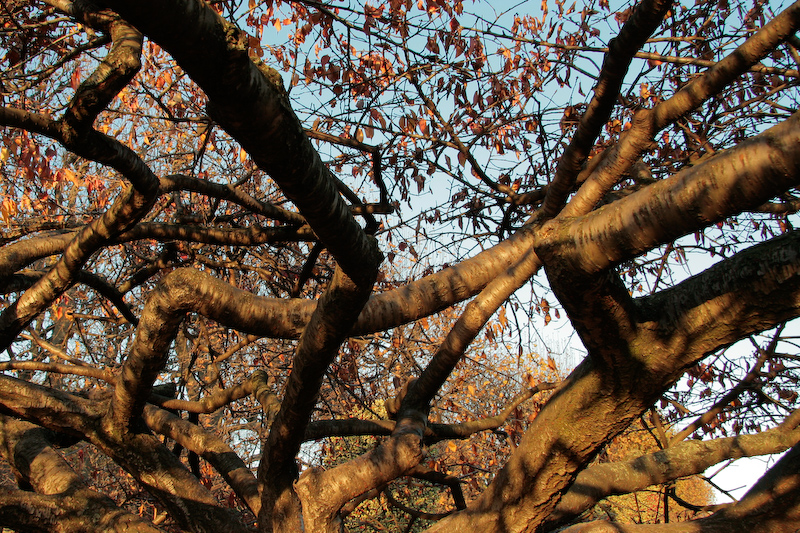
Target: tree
(221, 222)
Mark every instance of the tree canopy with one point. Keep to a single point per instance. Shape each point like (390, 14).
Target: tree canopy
(295, 265)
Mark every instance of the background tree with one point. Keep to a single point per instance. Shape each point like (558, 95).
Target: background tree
(232, 230)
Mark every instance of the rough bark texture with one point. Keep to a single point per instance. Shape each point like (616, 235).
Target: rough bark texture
(218, 264)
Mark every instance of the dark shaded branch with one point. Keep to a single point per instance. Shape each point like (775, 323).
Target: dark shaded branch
(440, 478)
(353, 427)
(755, 290)
(416, 513)
(249, 102)
(24, 280)
(250, 236)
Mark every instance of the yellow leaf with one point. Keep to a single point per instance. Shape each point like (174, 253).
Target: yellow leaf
(8, 209)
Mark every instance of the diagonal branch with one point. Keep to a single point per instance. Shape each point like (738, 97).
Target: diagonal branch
(681, 460)
(249, 102)
(212, 449)
(466, 328)
(644, 20)
(649, 122)
(772, 505)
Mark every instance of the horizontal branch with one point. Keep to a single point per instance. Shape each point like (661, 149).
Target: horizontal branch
(435, 432)
(180, 182)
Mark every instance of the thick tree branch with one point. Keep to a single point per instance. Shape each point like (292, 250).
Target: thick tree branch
(333, 318)
(657, 338)
(324, 492)
(772, 505)
(250, 103)
(270, 317)
(79, 508)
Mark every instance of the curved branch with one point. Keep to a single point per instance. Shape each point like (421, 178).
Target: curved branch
(286, 319)
(221, 398)
(25, 280)
(78, 507)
